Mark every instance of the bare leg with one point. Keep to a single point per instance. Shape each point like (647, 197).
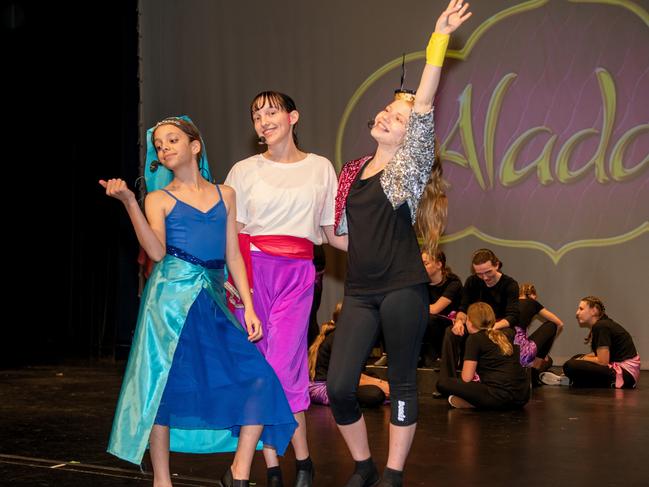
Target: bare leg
(400, 442)
(248, 438)
(300, 445)
(159, 451)
(355, 435)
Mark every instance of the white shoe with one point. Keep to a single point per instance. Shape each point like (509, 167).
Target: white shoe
(551, 379)
(458, 402)
(382, 361)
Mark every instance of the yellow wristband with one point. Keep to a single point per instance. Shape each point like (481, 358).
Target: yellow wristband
(436, 49)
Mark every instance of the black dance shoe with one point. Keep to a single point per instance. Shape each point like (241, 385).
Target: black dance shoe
(228, 481)
(304, 478)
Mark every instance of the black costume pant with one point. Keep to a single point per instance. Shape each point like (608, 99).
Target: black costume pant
(544, 337)
(431, 347)
(402, 315)
(583, 373)
(452, 353)
(481, 395)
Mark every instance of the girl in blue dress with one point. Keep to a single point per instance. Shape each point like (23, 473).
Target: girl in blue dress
(194, 381)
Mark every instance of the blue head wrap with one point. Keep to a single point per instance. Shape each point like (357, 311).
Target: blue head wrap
(155, 174)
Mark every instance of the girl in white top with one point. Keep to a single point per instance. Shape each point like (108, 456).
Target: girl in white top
(285, 205)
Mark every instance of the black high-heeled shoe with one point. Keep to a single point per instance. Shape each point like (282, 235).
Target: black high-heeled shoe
(229, 481)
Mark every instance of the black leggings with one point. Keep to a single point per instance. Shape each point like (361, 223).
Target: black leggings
(544, 337)
(402, 315)
(480, 395)
(583, 373)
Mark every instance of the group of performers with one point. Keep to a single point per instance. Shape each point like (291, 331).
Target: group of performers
(210, 373)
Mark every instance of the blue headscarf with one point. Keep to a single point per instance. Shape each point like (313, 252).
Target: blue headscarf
(156, 175)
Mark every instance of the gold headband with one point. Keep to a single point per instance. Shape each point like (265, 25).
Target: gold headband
(405, 95)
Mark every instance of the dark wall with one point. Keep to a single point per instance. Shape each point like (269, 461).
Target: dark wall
(73, 100)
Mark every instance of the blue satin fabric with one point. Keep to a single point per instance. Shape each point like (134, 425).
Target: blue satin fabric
(169, 294)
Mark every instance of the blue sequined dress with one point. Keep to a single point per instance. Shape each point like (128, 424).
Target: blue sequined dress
(191, 365)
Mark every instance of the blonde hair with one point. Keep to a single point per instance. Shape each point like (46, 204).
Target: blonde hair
(482, 317)
(325, 329)
(433, 208)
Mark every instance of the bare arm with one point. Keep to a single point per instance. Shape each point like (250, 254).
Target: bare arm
(601, 357)
(236, 266)
(550, 316)
(338, 242)
(439, 305)
(454, 16)
(468, 370)
(150, 230)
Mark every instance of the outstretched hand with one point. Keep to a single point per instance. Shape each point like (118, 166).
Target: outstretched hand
(116, 188)
(453, 17)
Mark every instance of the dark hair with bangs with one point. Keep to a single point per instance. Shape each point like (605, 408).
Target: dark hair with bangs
(277, 100)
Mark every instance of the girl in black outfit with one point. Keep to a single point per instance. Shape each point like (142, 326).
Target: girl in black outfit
(380, 197)
(536, 346)
(372, 391)
(501, 381)
(614, 360)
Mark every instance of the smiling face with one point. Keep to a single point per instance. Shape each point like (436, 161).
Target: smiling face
(274, 116)
(488, 272)
(274, 124)
(174, 147)
(390, 123)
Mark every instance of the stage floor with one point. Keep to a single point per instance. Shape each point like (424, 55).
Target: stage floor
(55, 423)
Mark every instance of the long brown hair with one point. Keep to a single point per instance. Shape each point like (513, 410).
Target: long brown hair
(433, 208)
(482, 317)
(325, 329)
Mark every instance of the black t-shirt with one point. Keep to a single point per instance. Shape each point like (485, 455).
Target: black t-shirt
(502, 297)
(324, 354)
(383, 253)
(450, 288)
(608, 333)
(528, 308)
(494, 368)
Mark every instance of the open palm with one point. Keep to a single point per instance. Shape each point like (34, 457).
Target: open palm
(453, 17)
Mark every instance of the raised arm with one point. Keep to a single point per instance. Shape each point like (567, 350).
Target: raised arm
(150, 230)
(454, 16)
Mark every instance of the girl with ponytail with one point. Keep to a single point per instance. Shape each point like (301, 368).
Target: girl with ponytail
(492, 376)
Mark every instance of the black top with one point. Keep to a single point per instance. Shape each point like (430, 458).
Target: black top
(449, 288)
(529, 308)
(324, 354)
(383, 253)
(608, 333)
(494, 368)
(502, 297)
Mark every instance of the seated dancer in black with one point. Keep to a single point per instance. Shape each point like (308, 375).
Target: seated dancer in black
(372, 392)
(536, 346)
(492, 376)
(614, 360)
(489, 285)
(445, 294)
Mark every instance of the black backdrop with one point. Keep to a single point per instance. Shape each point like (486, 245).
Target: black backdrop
(71, 100)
